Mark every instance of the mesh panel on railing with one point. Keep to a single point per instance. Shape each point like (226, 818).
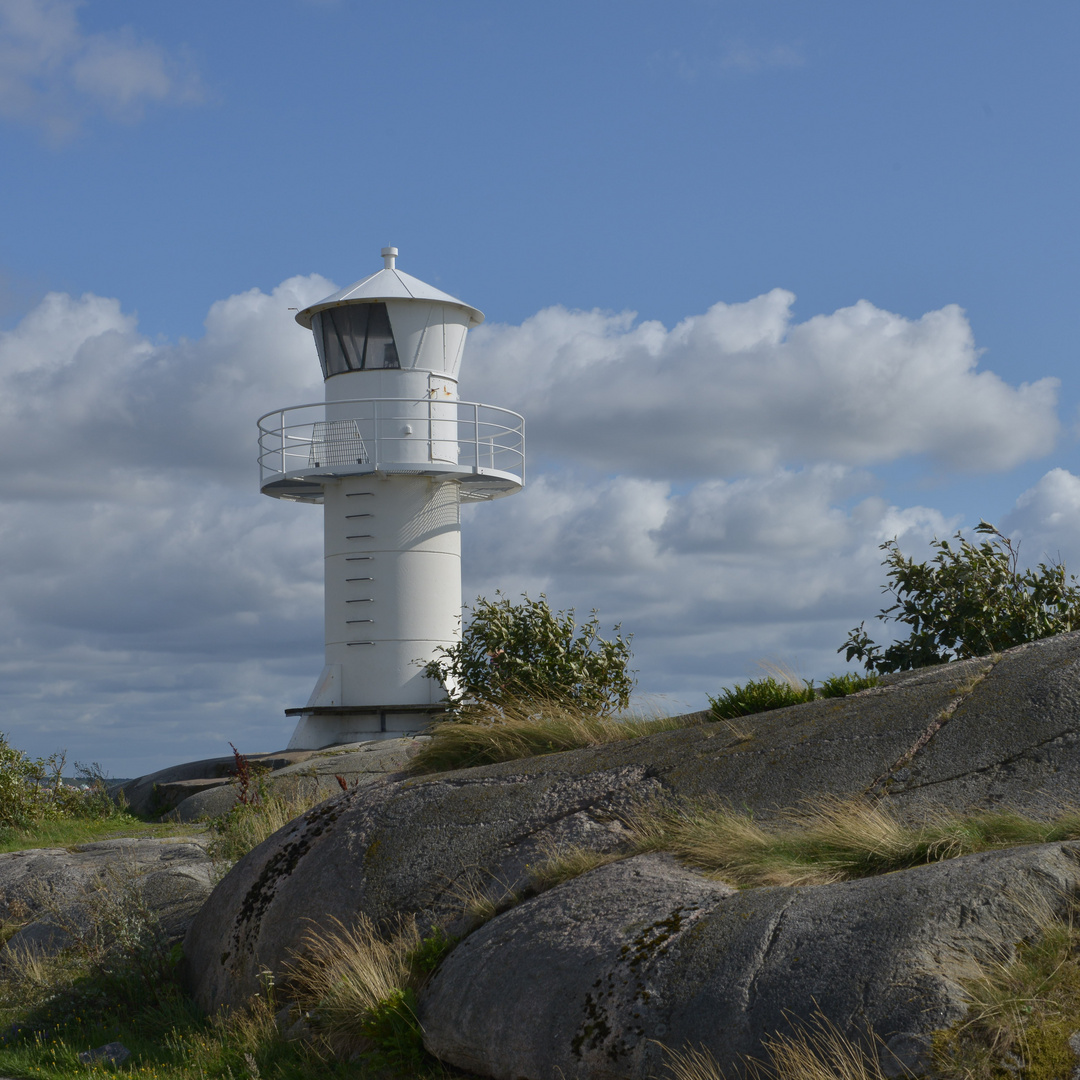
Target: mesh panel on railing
(336, 442)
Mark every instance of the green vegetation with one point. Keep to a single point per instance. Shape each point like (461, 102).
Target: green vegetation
(969, 600)
(1022, 1010)
(69, 832)
(764, 695)
(519, 729)
(356, 988)
(830, 839)
(525, 652)
(38, 809)
(117, 983)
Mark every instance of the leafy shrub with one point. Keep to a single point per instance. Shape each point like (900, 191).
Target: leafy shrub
(758, 696)
(32, 790)
(969, 600)
(850, 683)
(527, 651)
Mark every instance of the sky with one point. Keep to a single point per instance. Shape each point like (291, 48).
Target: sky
(773, 283)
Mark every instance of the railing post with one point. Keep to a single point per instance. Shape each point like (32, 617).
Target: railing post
(476, 434)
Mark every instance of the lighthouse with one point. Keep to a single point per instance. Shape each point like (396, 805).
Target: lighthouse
(390, 453)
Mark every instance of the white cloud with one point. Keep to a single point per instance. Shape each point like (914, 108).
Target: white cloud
(53, 73)
(154, 605)
(1046, 520)
(743, 388)
(709, 580)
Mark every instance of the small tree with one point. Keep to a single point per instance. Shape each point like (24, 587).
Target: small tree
(969, 600)
(513, 651)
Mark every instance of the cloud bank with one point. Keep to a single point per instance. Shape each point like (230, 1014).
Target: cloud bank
(53, 74)
(709, 486)
(743, 388)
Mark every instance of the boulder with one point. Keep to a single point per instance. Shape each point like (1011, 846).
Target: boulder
(389, 849)
(587, 980)
(52, 891)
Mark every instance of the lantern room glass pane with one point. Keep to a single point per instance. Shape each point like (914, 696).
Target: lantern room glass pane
(355, 337)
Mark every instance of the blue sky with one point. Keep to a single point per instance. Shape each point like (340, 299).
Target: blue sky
(176, 176)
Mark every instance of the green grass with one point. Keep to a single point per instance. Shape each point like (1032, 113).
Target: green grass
(119, 984)
(68, 832)
(830, 839)
(1021, 1012)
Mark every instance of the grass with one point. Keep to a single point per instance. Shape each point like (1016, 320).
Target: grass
(817, 1051)
(247, 825)
(1022, 1010)
(525, 729)
(564, 864)
(528, 727)
(357, 986)
(69, 832)
(829, 840)
(118, 983)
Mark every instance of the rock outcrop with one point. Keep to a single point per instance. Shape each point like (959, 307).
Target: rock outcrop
(1001, 731)
(586, 980)
(208, 788)
(51, 894)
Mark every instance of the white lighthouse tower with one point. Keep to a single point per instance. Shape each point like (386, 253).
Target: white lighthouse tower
(390, 453)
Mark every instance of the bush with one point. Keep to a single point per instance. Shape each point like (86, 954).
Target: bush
(758, 696)
(969, 600)
(764, 695)
(528, 652)
(32, 790)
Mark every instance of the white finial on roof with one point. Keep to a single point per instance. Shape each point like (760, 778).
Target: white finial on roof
(389, 254)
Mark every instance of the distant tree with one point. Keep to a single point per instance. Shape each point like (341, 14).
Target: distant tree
(527, 651)
(971, 599)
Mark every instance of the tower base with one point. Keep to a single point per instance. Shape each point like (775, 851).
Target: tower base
(332, 725)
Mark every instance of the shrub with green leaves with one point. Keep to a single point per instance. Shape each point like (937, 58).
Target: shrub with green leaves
(758, 696)
(526, 651)
(970, 599)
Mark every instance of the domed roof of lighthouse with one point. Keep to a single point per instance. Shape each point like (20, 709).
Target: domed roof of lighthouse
(389, 283)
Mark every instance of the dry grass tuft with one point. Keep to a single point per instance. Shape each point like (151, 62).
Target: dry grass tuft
(565, 863)
(818, 1051)
(244, 827)
(521, 729)
(1022, 1010)
(344, 975)
(829, 840)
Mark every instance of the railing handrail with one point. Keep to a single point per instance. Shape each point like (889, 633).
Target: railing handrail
(502, 431)
(364, 401)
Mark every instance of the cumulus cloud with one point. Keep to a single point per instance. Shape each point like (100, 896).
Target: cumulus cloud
(154, 605)
(53, 73)
(709, 580)
(1046, 520)
(743, 388)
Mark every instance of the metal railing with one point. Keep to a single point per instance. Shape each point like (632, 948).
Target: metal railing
(388, 434)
